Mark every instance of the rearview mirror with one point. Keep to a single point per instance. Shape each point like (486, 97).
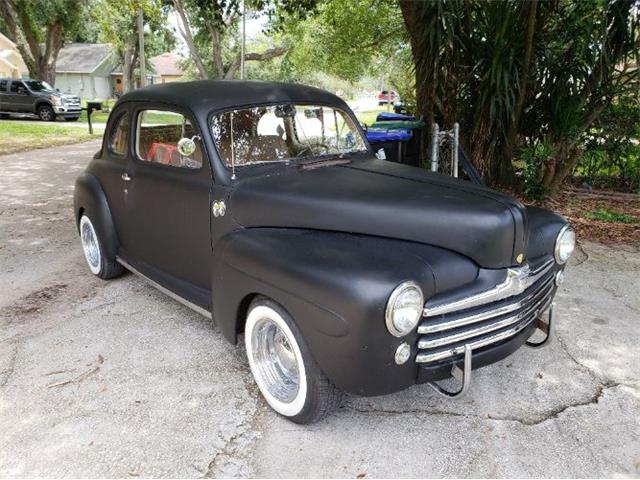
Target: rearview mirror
(186, 146)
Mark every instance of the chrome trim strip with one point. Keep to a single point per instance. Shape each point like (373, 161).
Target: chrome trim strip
(442, 354)
(517, 281)
(536, 309)
(434, 327)
(164, 290)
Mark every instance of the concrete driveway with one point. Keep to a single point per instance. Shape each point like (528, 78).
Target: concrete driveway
(114, 379)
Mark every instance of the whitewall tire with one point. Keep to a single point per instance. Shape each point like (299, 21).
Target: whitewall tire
(283, 368)
(93, 250)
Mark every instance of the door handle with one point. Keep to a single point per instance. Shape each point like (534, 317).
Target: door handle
(126, 177)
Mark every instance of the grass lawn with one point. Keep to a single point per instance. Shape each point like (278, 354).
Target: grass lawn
(21, 136)
(368, 117)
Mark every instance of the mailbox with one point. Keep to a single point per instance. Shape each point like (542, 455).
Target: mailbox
(91, 107)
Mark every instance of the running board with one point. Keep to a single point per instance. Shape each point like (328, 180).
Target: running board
(164, 290)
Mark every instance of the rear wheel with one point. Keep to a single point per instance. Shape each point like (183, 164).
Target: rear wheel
(46, 113)
(99, 265)
(287, 375)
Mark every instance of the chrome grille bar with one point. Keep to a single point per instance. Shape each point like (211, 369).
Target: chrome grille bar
(425, 357)
(518, 280)
(534, 308)
(430, 326)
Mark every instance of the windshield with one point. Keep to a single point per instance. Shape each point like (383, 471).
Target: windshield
(280, 133)
(38, 86)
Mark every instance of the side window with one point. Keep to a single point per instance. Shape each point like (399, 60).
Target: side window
(159, 132)
(3, 85)
(17, 87)
(119, 135)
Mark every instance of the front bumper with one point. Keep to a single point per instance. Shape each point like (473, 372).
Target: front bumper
(67, 111)
(492, 324)
(481, 358)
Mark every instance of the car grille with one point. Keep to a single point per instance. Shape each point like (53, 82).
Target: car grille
(446, 329)
(72, 102)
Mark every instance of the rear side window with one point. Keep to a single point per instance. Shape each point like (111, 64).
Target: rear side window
(17, 87)
(159, 132)
(3, 85)
(119, 136)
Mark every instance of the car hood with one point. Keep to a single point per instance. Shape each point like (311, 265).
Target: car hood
(375, 197)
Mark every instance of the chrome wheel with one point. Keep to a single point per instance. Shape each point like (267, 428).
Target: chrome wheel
(275, 360)
(90, 245)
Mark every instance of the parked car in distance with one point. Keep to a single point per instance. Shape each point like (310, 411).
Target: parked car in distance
(261, 205)
(388, 96)
(38, 98)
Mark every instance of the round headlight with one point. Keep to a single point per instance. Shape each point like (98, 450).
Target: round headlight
(565, 244)
(404, 309)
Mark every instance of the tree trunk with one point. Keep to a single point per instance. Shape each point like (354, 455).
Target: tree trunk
(127, 68)
(185, 31)
(40, 62)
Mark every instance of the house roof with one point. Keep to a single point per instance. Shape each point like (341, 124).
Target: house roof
(4, 40)
(82, 57)
(166, 64)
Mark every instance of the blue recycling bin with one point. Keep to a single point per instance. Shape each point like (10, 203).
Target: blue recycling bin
(394, 117)
(392, 141)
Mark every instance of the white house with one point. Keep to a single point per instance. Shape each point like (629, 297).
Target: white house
(84, 69)
(11, 63)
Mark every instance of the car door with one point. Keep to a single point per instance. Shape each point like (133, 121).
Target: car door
(18, 99)
(110, 167)
(168, 204)
(4, 84)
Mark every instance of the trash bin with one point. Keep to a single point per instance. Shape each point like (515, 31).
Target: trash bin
(392, 141)
(394, 122)
(394, 117)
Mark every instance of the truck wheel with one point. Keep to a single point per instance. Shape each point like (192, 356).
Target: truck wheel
(287, 375)
(46, 113)
(99, 265)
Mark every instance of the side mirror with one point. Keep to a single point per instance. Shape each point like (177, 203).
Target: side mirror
(186, 146)
(21, 91)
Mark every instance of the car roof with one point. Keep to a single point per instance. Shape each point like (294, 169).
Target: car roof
(202, 96)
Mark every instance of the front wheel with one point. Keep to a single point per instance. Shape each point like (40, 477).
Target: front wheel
(99, 265)
(287, 375)
(46, 113)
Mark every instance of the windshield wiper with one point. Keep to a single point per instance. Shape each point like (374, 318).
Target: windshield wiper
(324, 161)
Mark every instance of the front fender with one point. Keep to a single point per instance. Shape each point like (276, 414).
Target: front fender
(89, 198)
(335, 286)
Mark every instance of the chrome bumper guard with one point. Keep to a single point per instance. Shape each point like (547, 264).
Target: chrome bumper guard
(463, 374)
(459, 327)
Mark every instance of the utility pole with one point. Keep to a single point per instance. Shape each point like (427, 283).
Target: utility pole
(244, 38)
(143, 69)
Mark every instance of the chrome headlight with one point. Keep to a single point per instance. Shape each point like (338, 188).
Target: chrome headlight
(56, 100)
(404, 309)
(565, 243)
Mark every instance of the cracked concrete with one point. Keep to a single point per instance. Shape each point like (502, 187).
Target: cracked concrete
(114, 379)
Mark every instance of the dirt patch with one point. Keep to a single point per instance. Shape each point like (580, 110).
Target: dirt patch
(33, 302)
(578, 206)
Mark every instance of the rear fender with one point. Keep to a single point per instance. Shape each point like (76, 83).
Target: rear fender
(89, 198)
